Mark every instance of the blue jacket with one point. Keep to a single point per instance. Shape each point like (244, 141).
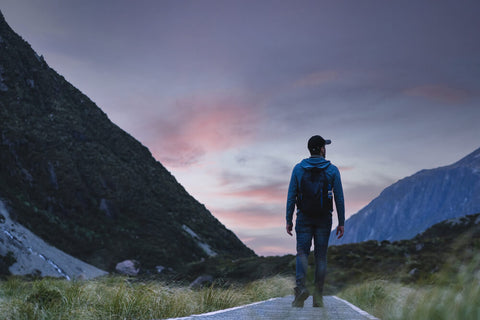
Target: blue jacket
(333, 176)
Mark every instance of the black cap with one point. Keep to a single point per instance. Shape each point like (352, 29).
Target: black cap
(317, 142)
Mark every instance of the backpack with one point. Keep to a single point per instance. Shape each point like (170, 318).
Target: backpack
(315, 194)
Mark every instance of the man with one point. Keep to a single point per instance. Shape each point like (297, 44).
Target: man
(317, 225)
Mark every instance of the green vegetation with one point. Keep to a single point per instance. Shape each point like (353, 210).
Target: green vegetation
(242, 270)
(384, 299)
(444, 283)
(454, 295)
(124, 298)
(417, 261)
(433, 276)
(6, 261)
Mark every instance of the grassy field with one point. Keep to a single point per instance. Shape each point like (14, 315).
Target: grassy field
(436, 276)
(120, 298)
(453, 294)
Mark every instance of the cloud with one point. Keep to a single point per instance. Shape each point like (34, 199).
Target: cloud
(346, 168)
(256, 177)
(196, 126)
(317, 78)
(272, 192)
(440, 93)
(275, 242)
(251, 217)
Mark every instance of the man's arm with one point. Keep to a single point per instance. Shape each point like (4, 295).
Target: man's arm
(291, 201)
(340, 231)
(289, 229)
(339, 200)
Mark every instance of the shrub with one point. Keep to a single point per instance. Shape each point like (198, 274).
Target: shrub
(381, 298)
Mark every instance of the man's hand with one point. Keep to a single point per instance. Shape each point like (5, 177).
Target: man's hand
(340, 231)
(289, 229)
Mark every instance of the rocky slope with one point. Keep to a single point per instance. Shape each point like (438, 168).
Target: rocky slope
(32, 256)
(415, 203)
(76, 180)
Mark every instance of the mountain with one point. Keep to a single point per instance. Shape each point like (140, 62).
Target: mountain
(85, 186)
(415, 203)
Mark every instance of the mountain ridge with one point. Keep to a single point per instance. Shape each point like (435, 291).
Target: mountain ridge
(416, 202)
(81, 183)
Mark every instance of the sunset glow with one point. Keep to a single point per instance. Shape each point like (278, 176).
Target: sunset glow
(225, 94)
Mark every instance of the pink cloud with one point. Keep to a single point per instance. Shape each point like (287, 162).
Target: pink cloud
(251, 218)
(273, 193)
(317, 78)
(439, 92)
(276, 243)
(196, 126)
(346, 168)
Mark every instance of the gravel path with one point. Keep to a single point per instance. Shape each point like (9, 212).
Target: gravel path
(280, 308)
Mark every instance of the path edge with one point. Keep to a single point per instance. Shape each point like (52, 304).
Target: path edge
(357, 309)
(223, 310)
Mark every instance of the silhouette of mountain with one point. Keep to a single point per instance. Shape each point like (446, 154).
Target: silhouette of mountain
(413, 204)
(85, 186)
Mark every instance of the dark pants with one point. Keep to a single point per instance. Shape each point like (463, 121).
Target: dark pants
(319, 230)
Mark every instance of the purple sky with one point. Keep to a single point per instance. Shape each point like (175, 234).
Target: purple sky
(226, 93)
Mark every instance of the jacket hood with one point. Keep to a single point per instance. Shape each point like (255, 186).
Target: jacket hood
(310, 163)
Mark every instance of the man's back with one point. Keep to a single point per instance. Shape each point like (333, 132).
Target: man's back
(333, 177)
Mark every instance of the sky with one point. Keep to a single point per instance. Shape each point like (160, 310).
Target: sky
(226, 93)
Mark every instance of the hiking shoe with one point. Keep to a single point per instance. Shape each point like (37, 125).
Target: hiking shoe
(301, 294)
(317, 301)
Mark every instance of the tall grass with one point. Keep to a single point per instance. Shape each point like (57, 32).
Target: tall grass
(455, 295)
(384, 299)
(115, 298)
(457, 298)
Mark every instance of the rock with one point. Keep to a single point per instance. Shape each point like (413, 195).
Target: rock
(201, 281)
(128, 267)
(80, 277)
(106, 207)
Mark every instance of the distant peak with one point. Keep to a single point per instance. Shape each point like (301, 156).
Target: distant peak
(470, 160)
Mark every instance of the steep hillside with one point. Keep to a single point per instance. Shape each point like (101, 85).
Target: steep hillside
(415, 203)
(75, 179)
